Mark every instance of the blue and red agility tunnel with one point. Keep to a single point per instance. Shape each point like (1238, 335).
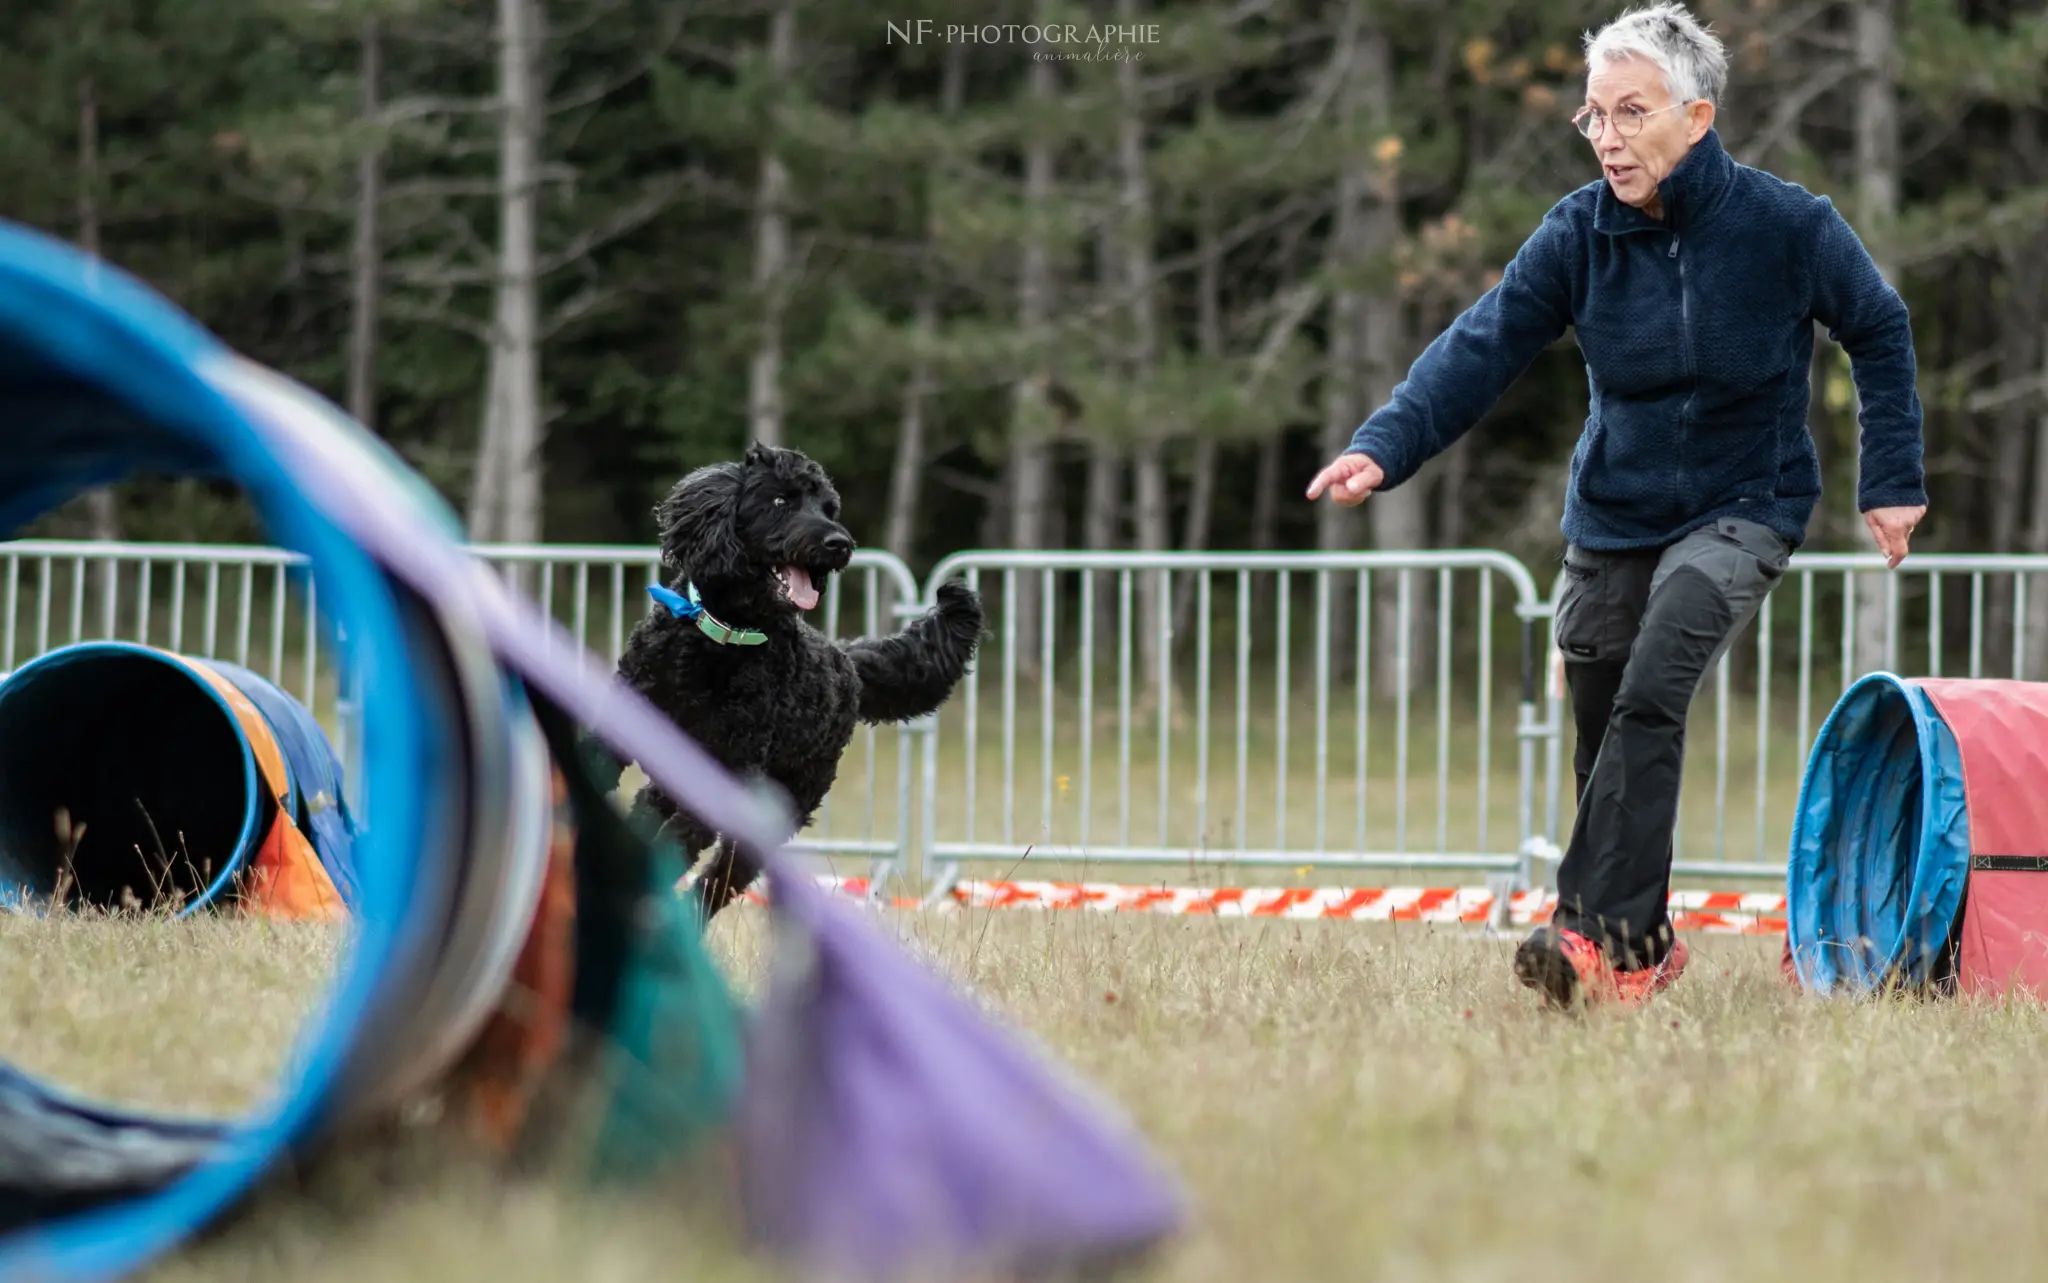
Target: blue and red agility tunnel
(499, 909)
(1919, 853)
(132, 776)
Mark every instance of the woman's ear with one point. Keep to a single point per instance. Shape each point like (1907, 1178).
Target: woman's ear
(1699, 118)
(698, 527)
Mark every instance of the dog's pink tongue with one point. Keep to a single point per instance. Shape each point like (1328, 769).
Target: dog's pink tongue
(798, 581)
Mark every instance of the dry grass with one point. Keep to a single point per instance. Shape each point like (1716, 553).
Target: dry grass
(1344, 1102)
(179, 1016)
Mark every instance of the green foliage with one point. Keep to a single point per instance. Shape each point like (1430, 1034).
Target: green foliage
(229, 141)
(1956, 61)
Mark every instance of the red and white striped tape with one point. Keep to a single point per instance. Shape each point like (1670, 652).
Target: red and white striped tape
(1712, 912)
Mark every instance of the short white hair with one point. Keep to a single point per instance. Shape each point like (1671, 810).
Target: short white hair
(1668, 37)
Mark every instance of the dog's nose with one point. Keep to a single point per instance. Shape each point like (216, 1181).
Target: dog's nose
(839, 545)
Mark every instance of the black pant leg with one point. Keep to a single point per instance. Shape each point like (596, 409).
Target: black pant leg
(1599, 613)
(1614, 882)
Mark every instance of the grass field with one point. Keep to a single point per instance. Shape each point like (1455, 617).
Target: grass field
(1343, 1102)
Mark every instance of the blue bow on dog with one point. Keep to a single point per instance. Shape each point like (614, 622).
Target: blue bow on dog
(678, 605)
(690, 608)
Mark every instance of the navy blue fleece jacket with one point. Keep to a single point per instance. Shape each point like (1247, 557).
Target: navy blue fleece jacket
(1697, 333)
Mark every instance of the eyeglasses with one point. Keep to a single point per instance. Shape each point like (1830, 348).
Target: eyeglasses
(1628, 122)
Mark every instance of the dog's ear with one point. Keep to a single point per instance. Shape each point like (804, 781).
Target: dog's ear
(760, 454)
(697, 523)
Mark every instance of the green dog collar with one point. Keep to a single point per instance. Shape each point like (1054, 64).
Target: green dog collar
(691, 608)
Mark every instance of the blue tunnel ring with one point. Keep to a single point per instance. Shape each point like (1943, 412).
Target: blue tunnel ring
(1880, 841)
(48, 687)
(78, 336)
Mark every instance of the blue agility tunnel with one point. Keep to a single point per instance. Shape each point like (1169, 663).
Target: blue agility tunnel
(1880, 842)
(134, 777)
(1920, 849)
(101, 379)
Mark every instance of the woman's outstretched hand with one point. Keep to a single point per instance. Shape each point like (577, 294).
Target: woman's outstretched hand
(1893, 529)
(1349, 480)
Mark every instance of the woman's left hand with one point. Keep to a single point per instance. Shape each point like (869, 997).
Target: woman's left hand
(1892, 528)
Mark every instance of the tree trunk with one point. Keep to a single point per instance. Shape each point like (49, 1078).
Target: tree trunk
(1195, 524)
(1101, 506)
(1209, 340)
(1820, 419)
(2009, 449)
(2037, 542)
(900, 531)
(2020, 356)
(1452, 502)
(1148, 472)
(2037, 517)
(366, 256)
(1149, 455)
(1266, 486)
(1340, 528)
(1877, 189)
(1366, 341)
(1103, 501)
(1030, 464)
(1201, 512)
(507, 502)
(1265, 534)
(1030, 501)
(99, 501)
(771, 253)
(993, 530)
(2018, 359)
(1400, 522)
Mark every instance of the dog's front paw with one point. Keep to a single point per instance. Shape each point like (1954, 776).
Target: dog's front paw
(959, 608)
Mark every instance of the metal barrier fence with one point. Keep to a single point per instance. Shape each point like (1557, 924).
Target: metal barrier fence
(1833, 618)
(172, 595)
(258, 607)
(1367, 666)
(1179, 715)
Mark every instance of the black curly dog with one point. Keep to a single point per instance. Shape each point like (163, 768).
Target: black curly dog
(729, 657)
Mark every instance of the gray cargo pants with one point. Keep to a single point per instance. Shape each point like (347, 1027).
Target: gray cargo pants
(1639, 631)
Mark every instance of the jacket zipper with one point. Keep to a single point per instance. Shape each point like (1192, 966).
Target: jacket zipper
(1691, 367)
(1684, 310)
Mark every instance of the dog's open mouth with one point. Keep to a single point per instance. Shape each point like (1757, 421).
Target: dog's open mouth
(797, 586)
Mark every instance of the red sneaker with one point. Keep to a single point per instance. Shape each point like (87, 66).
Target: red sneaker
(1564, 966)
(1637, 986)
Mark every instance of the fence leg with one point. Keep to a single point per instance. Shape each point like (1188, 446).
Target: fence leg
(942, 885)
(918, 832)
(1503, 886)
(880, 870)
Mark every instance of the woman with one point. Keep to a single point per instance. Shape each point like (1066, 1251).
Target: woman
(1691, 283)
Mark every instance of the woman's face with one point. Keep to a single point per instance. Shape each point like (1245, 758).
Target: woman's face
(1632, 92)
